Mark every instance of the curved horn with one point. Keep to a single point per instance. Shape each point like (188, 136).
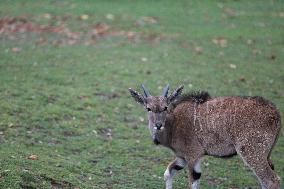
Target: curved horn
(166, 91)
(146, 92)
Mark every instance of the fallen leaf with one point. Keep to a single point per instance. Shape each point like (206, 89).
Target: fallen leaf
(145, 20)
(281, 14)
(33, 157)
(233, 66)
(150, 20)
(249, 41)
(261, 24)
(84, 17)
(110, 16)
(100, 29)
(256, 51)
(144, 59)
(242, 79)
(47, 16)
(198, 50)
(141, 119)
(220, 41)
(16, 49)
(230, 11)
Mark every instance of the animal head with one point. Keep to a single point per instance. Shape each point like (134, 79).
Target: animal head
(156, 106)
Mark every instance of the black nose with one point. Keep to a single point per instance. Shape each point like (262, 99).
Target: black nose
(158, 125)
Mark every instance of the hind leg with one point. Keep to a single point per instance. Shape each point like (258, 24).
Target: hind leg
(261, 167)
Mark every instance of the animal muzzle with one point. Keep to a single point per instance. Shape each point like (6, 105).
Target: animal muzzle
(159, 126)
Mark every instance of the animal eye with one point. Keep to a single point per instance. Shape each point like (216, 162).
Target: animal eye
(149, 109)
(166, 108)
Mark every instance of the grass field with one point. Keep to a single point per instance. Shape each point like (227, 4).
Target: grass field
(66, 117)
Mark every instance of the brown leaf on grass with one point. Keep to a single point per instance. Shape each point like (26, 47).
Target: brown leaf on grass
(46, 16)
(230, 11)
(220, 41)
(256, 51)
(242, 79)
(233, 66)
(146, 20)
(82, 97)
(150, 20)
(100, 29)
(33, 157)
(144, 59)
(107, 95)
(84, 17)
(16, 49)
(131, 36)
(41, 41)
(250, 41)
(110, 16)
(198, 50)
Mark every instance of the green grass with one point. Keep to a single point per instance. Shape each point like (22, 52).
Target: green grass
(69, 103)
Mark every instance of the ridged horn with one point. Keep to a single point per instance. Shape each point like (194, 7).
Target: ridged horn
(146, 92)
(166, 91)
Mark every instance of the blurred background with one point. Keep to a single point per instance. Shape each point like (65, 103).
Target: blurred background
(66, 117)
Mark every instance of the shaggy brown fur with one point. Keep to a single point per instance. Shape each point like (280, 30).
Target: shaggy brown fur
(199, 125)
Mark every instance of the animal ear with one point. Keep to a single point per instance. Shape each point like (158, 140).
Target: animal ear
(175, 94)
(137, 97)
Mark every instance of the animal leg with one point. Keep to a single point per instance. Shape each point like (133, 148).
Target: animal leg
(262, 169)
(194, 173)
(171, 170)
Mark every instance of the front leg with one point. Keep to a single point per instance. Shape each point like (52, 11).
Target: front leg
(173, 167)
